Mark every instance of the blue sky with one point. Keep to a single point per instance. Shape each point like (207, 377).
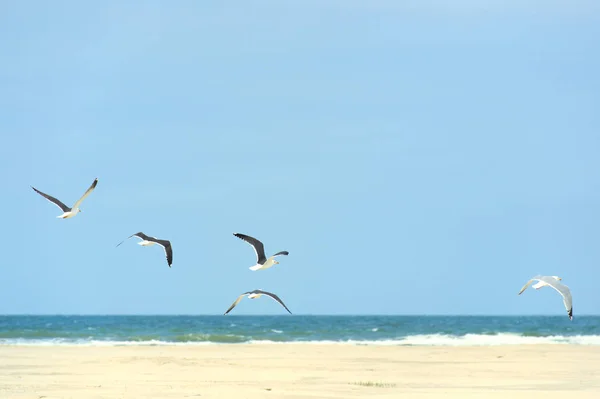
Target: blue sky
(413, 157)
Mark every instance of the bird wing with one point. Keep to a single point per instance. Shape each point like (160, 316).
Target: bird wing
(234, 304)
(56, 202)
(256, 244)
(275, 297)
(565, 292)
(281, 253)
(89, 190)
(526, 285)
(139, 235)
(167, 247)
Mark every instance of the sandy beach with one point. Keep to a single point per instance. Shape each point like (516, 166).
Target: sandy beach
(300, 371)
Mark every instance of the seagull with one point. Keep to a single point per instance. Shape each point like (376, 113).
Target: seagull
(148, 241)
(553, 281)
(68, 212)
(257, 294)
(261, 262)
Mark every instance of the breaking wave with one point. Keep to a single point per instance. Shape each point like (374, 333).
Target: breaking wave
(411, 340)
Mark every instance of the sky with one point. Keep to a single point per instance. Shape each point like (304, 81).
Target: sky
(414, 157)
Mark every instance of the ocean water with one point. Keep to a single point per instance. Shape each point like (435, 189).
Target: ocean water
(356, 330)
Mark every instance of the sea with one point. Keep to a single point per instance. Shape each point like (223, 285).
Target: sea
(343, 330)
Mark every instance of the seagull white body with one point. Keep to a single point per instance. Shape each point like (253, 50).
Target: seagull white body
(269, 263)
(554, 282)
(262, 262)
(68, 212)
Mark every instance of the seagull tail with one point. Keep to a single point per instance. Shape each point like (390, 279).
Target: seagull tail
(255, 267)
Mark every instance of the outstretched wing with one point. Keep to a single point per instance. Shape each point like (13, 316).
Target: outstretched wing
(56, 202)
(526, 285)
(257, 245)
(167, 247)
(275, 297)
(89, 190)
(281, 253)
(234, 304)
(140, 235)
(565, 292)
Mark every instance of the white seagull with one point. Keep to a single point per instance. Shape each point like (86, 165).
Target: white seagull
(553, 281)
(148, 241)
(261, 262)
(68, 212)
(257, 294)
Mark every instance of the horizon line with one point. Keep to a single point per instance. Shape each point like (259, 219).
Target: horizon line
(286, 315)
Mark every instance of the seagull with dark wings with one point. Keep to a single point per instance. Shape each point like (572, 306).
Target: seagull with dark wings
(257, 294)
(68, 212)
(149, 241)
(262, 262)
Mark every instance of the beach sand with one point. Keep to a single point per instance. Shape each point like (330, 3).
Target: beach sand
(300, 371)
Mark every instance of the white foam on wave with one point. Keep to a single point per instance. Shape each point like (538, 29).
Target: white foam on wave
(454, 340)
(276, 331)
(62, 342)
(412, 340)
(497, 339)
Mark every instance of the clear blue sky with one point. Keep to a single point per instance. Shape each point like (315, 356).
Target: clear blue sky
(414, 158)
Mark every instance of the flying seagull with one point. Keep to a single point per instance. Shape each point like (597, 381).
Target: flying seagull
(553, 281)
(148, 241)
(257, 294)
(68, 212)
(261, 262)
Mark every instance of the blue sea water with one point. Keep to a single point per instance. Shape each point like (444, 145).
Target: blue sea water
(361, 330)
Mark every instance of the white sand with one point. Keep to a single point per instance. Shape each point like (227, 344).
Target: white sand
(300, 371)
